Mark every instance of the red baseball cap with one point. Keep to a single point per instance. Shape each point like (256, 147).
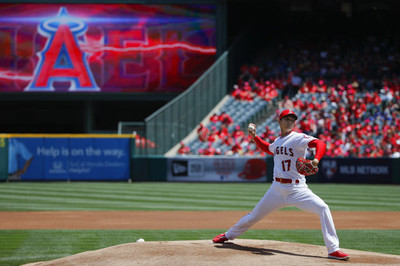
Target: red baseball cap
(286, 113)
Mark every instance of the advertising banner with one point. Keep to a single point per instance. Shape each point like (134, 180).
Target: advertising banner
(114, 48)
(216, 169)
(3, 157)
(354, 170)
(42, 158)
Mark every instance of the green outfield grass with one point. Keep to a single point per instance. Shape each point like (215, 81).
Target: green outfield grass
(181, 196)
(23, 246)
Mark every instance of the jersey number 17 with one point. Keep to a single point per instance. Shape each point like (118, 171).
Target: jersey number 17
(287, 162)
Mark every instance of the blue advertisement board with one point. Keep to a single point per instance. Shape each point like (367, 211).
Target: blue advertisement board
(90, 159)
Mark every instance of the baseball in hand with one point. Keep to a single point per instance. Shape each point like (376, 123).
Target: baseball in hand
(252, 128)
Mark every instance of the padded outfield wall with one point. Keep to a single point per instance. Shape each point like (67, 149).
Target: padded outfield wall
(109, 157)
(249, 169)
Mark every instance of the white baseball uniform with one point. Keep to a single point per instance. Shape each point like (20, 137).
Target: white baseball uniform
(286, 150)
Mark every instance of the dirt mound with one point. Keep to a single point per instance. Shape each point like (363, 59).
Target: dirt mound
(204, 252)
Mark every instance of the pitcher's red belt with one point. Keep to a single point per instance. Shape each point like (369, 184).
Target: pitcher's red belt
(286, 180)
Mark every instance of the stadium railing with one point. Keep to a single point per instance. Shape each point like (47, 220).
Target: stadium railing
(176, 119)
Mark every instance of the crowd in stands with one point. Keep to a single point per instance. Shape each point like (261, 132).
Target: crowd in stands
(142, 143)
(353, 124)
(345, 93)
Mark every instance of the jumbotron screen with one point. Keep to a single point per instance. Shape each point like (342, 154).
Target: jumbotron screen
(104, 47)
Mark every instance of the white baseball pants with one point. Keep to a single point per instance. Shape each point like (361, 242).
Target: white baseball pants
(284, 195)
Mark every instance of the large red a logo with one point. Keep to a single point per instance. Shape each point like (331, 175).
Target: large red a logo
(62, 59)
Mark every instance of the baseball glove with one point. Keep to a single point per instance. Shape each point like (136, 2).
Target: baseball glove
(305, 167)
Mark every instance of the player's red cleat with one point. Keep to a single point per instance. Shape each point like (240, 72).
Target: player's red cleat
(338, 255)
(221, 238)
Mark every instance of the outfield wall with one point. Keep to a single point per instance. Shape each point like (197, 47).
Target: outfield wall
(248, 169)
(360, 170)
(97, 157)
(200, 169)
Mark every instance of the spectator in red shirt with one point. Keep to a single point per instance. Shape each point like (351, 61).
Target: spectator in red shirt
(237, 149)
(228, 140)
(214, 118)
(183, 149)
(225, 119)
(202, 133)
(210, 150)
(213, 135)
(223, 132)
(377, 100)
(238, 134)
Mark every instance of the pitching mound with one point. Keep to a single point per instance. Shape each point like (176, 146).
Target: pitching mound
(204, 252)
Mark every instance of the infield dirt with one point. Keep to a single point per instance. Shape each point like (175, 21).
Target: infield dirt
(164, 220)
(204, 252)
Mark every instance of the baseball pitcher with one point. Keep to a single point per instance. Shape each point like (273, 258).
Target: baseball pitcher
(289, 187)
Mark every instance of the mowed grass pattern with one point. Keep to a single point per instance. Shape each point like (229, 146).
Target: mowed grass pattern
(181, 196)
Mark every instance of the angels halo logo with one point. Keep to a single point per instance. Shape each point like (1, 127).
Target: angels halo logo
(62, 59)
